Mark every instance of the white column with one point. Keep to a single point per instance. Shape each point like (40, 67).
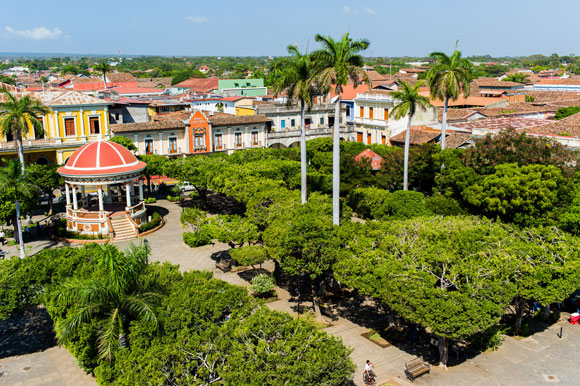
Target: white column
(83, 132)
(75, 201)
(136, 141)
(140, 189)
(161, 152)
(101, 206)
(128, 193)
(67, 193)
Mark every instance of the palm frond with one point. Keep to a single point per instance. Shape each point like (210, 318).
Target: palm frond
(108, 337)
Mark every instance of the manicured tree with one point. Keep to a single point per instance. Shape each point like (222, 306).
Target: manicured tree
(156, 166)
(449, 78)
(17, 115)
(46, 178)
(296, 79)
(15, 186)
(124, 141)
(518, 77)
(103, 68)
(335, 64)
(410, 101)
(112, 295)
(198, 170)
(451, 275)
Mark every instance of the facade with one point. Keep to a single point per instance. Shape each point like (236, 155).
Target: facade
(242, 87)
(110, 168)
(288, 119)
(230, 133)
(373, 124)
(220, 104)
(164, 137)
(73, 120)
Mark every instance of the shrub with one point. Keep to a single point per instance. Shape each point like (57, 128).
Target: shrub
(402, 205)
(154, 223)
(249, 255)
(150, 200)
(444, 206)
(197, 238)
(262, 285)
(566, 112)
(366, 202)
(173, 198)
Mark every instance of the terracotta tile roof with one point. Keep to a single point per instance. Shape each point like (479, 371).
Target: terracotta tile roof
(375, 75)
(9, 87)
(419, 136)
(376, 160)
(494, 82)
(62, 98)
(570, 81)
(199, 84)
(469, 101)
(223, 119)
(517, 109)
(553, 96)
(349, 92)
(174, 115)
(154, 82)
(454, 139)
(134, 90)
(458, 114)
(121, 77)
(169, 124)
(569, 125)
(87, 80)
(501, 123)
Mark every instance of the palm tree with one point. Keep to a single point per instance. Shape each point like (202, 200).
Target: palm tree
(103, 68)
(335, 64)
(296, 78)
(449, 77)
(44, 81)
(13, 183)
(17, 115)
(113, 295)
(409, 102)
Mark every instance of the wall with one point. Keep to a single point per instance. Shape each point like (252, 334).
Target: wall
(198, 125)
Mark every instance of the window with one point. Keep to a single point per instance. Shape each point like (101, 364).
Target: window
(218, 142)
(94, 124)
(283, 123)
(172, 145)
(370, 112)
(199, 143)
(116, 116)
(369, 138)
(69, 126)
(386, 114)
(255, 141)
(238, 139)
(383, 140)
(322, 120)
(359, 137)
(293, 122)
(148, 146)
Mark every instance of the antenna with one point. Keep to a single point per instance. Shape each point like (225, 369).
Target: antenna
(307, 44)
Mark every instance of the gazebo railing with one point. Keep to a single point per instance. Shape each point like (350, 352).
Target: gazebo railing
(83, 215)
(136, 210)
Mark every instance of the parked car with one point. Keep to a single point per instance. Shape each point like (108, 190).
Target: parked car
(185, 186)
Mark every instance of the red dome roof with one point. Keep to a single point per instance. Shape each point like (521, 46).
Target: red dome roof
(101, 158)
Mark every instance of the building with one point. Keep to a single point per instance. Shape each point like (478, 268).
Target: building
(242, 87)
(195, 86)
(129, 110)
(230, 132)
(372, 120)
(226, 105)
(73, 120)
(162, 137)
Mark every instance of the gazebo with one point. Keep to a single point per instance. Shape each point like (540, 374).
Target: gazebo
(111, 169)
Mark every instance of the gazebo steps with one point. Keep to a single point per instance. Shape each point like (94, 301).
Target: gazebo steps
(123, 228)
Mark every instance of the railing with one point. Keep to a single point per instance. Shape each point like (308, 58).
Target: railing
(200, 148)
(372, 121)
(174, 151)
(136, 210)
(85, 216)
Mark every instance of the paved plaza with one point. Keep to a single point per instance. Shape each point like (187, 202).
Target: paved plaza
(543, 358)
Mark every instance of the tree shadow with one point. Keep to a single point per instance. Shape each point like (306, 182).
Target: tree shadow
(220, 204)
(159, 209)
(220, 256)
(26, 332)
(250, 273)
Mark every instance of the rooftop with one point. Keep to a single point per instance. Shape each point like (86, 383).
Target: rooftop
(199, 84)
(501, 123)
(223, 119)
(166, 124)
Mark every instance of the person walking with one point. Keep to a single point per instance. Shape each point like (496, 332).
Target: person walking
(2, 236)
(369, 375)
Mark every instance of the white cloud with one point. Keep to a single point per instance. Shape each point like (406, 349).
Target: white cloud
(370, 11)
(197, 19)
(347, 11)
(36, 33)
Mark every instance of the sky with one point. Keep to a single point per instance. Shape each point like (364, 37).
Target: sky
(257, 28)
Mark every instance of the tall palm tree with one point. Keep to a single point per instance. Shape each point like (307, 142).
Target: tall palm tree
(296, 77)
(13, 183)
(113, 295)
(337, 62)
(449, 77)
(410, 101)
(103, 68)
(17, 115)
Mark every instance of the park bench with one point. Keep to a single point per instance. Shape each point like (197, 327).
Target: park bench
(416, 367)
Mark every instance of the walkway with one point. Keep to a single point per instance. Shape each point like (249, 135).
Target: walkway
(541, 358)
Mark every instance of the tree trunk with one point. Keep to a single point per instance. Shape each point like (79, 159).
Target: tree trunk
(20, 151)
(315, 302)
(336, 165)
(443, 351)
(50, 202)
(406, 156)
(303, 154)
(19, 228)
(444, 123)
(546, 313)
(148, 185)
(105, 79)
(519, 308)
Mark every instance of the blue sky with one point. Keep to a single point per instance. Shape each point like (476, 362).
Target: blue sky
(223, 27)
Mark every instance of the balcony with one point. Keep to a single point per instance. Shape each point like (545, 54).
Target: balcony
(371, 122)
(202, 147)
(174, 151)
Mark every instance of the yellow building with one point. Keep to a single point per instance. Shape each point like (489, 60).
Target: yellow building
(73, 120)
